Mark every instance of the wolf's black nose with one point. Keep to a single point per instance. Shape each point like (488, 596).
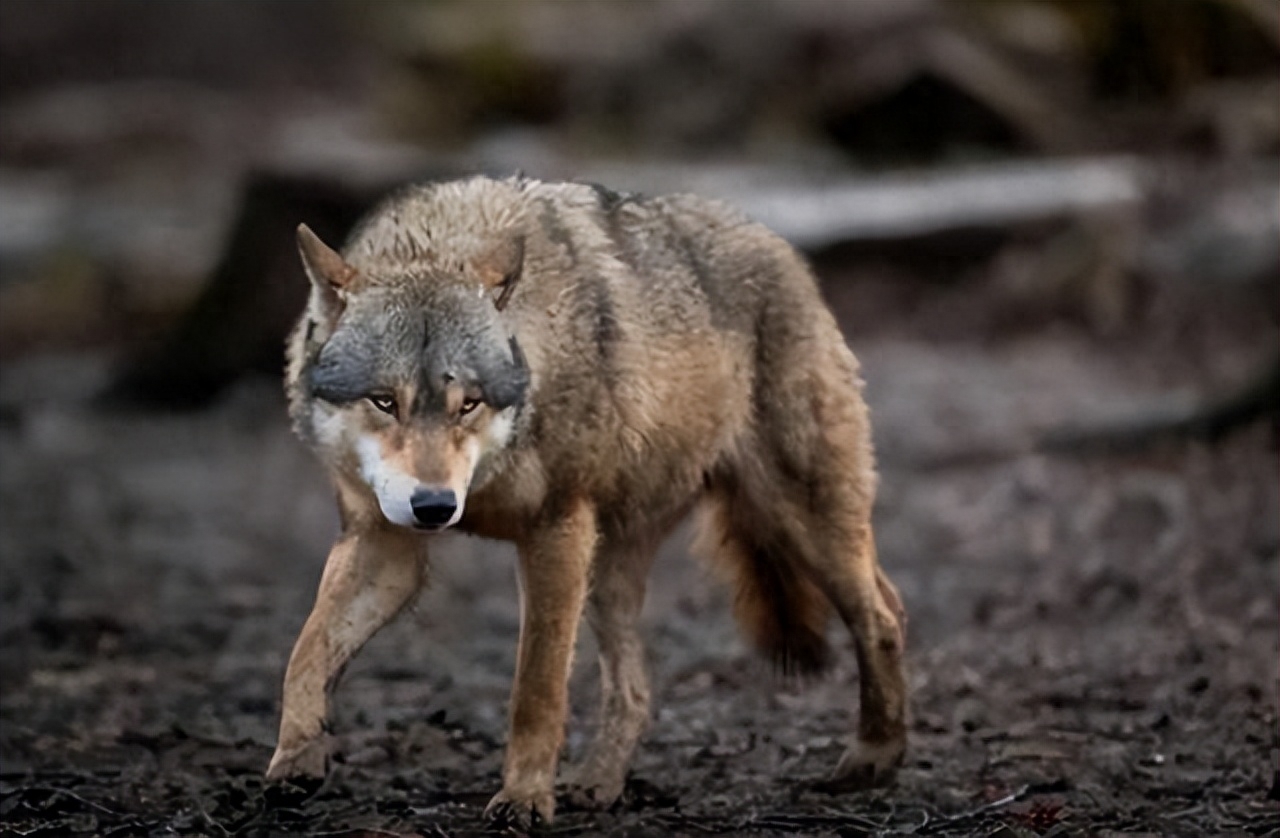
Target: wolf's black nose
(434, 507)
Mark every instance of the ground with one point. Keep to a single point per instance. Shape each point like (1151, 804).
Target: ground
(1092, 644)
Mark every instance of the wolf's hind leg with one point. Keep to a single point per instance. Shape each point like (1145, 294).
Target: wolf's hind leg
(813, 489)
(369, 577)
(613, 610)
(842, 561)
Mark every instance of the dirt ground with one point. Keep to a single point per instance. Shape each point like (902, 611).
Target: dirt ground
(1093, 639)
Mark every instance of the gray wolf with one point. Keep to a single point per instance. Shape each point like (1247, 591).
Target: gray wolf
(575, 370)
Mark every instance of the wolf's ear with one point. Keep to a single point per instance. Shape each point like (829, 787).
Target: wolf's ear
(501, 269)
(330, 276)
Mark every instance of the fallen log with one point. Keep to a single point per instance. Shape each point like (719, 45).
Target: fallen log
(905, 206)
(1208, 422)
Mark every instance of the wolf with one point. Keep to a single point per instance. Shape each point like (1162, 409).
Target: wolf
(576, 370)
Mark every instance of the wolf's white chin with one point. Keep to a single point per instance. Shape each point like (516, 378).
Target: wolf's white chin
(400, 514)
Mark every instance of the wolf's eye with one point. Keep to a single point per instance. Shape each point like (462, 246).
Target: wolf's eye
(468, 406)
(386, 404)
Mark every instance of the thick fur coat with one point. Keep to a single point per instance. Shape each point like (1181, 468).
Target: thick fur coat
(575, 370)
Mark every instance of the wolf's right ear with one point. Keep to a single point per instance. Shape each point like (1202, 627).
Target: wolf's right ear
(500, 270)
(330, 276)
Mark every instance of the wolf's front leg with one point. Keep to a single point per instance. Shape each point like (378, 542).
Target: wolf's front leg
(613, 610)
(554, 564)
(371, 573)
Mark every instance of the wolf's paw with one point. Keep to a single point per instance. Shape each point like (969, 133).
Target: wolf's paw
(300, 765)
(865, 766)
(595, 790)
(521, 811)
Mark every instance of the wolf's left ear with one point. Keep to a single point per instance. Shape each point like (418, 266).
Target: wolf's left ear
(330, 275)
(501, 270)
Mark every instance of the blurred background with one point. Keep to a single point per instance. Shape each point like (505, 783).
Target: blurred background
(1050, 229)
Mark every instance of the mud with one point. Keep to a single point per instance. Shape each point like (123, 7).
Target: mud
(1093, 639)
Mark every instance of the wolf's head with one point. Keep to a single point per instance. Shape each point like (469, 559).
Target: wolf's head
(412, 384)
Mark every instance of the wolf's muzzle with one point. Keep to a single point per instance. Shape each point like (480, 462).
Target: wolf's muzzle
(433, 508)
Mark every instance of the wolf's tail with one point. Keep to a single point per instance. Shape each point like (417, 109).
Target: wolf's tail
(780, 611)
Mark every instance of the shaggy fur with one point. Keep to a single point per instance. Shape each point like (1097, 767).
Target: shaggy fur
(575, 370)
